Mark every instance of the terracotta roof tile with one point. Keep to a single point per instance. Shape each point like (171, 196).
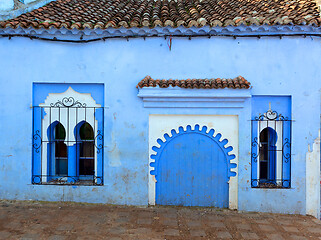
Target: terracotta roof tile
(147, 13)
(238, 82)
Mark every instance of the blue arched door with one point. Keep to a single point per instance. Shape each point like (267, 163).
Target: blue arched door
(192, 169)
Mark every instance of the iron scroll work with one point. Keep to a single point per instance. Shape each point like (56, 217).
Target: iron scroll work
(71, 113)
(274, 156)
(68, 102)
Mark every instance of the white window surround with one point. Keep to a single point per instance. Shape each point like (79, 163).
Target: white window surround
(69, 117)
(278, 128)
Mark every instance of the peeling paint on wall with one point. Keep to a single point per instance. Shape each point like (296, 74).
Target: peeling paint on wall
(114, 153)
(313, 179)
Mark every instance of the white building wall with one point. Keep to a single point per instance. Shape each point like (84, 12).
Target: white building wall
(313, 180)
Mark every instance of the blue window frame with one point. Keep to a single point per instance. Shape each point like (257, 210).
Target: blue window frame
(271, 142)
(68, 129)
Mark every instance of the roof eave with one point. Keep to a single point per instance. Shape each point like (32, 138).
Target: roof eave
(206, 31)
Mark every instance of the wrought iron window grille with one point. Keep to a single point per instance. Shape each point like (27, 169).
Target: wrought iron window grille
(271, 151)
(53, 166)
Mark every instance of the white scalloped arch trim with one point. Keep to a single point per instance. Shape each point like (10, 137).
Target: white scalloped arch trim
(226, 125)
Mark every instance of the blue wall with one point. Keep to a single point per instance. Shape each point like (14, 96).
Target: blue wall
(279, 104)
(274, 66)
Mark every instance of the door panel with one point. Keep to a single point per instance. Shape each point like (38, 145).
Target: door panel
(192, 170)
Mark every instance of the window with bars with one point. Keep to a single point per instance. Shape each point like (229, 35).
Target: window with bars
(271, 148)
(86, 150)
(67, 142)
(59, 148)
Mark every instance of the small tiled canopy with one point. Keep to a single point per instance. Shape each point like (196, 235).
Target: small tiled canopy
(238, 82)
(102, 14)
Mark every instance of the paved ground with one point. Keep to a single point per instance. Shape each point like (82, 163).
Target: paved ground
(55, 221)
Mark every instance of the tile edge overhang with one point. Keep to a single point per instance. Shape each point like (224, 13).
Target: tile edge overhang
(195, 83)
(229, 31)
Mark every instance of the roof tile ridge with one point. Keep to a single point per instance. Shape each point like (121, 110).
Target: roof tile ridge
(318, 4)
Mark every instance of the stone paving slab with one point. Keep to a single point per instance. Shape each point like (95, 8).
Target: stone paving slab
(58, 221)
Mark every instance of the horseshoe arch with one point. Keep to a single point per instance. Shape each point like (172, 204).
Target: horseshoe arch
(192, 168)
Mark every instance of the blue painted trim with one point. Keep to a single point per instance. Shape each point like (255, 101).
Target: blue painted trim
(72, 163)
(197, 130)
(37, 144)
(254, 152)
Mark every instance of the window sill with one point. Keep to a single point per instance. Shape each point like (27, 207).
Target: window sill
(67, 180)
(271, 184)
(271, 187)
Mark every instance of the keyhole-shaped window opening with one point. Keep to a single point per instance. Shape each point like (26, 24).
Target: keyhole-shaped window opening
(268, 139)
(87, 146)
(61, 158)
